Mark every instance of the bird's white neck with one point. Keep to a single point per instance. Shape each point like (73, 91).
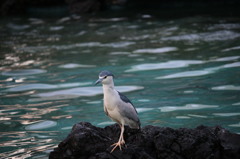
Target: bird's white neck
(108, 86)
(110, 95)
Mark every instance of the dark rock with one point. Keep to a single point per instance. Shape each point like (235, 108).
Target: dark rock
(89, 142)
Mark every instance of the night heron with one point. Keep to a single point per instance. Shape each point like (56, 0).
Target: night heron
(117, 106)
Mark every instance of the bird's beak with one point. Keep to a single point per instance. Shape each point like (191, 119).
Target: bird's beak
(98, 81)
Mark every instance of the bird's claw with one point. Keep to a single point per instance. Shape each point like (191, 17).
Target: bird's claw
(118, 144)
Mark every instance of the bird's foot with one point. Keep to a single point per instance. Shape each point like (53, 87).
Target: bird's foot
(118, 144)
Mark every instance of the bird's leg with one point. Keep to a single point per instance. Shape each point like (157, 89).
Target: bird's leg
(121, 135)
(120, 141)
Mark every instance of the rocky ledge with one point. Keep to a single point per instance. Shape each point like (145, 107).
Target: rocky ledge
(89, 142)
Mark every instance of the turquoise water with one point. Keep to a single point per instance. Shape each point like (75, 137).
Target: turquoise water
(178, 72)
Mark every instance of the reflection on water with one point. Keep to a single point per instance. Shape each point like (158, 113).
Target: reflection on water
(231, 58)
(41, 125)
(207, 37)
(200, 72)
(24, 72)
(226, 114)
(186, 107)
(37, 86)
(79, 92)
(178, 73)
(74, 65)
(227, 87)
(164, 65)
(187, 74)
(157, 50)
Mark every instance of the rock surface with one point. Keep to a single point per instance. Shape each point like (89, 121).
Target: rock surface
(89, 142)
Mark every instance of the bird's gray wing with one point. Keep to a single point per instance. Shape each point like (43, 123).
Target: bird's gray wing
(128, 110)
(125, 99)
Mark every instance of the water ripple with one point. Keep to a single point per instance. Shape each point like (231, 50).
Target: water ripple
(31, 49)
(232, 48)
(156, 50)
(197, 116)
(17, 27)
(199, 72)
(186, 107)
(226, 87)
(229, 26)
(226, 114)
(23, 72)
(106, 123)
(235, 64)
(56, 28)
(164, 65)
(235, 125)
(79, 92)
(24, 145)
(41, 125)
(209, 36)
(186, 74)
(230, 58)
(37, 86)
(74, 65)
(141, 110)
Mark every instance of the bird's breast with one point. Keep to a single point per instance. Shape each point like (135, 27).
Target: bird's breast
(111, 109)
(110, 103)
(110, 99)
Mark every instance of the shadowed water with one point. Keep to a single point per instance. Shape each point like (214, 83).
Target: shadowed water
(178, 73)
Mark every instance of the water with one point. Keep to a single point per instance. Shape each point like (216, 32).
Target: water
(178, 72)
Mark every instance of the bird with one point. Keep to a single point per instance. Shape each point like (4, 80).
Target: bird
(117, 106)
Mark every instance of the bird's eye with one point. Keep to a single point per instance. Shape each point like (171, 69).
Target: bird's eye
(105, 77)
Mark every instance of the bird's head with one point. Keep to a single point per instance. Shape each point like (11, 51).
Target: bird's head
(105, 77)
